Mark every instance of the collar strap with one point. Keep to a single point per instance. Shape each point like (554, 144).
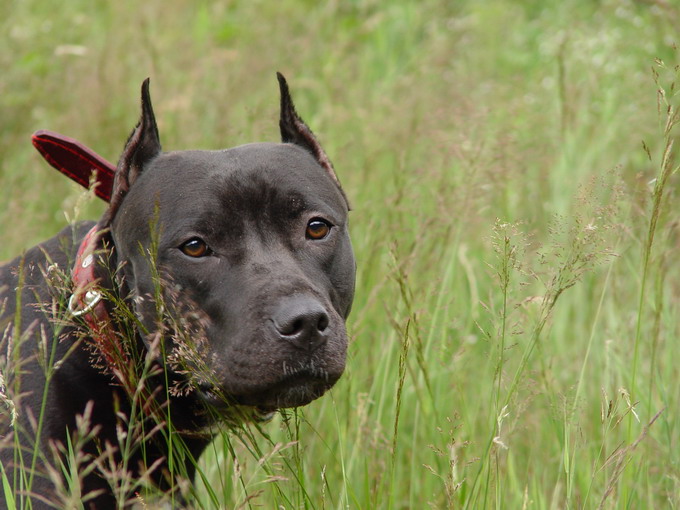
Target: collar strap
(76, 161)
(86, 296)
(87, 302)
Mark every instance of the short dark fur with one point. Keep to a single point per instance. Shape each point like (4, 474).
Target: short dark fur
(268, 302)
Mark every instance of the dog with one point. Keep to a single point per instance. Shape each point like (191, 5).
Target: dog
(214, 289)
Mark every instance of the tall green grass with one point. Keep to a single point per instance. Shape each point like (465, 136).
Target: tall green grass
(513, 180)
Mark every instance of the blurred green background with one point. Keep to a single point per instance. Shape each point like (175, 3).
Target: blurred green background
(511, 343)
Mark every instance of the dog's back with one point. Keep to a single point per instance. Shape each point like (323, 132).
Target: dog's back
(35, 340)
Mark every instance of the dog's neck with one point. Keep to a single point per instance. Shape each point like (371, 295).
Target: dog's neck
(95, 286)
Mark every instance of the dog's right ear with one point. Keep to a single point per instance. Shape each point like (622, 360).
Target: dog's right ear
(142, 146)
(294, 130)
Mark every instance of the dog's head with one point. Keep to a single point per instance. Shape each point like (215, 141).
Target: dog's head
(242, 257)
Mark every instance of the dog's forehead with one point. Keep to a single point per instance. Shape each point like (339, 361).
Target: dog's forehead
(256, 158)
(285, 167)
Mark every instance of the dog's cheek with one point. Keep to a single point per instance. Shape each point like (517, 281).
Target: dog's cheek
(336, 355)
(343, 277)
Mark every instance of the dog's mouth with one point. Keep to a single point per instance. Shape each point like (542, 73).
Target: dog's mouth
(296, 389)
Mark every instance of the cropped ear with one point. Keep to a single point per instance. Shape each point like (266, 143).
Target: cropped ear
(294, 130)
(142, 146)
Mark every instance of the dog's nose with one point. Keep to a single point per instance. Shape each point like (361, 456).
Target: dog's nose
(302, 321)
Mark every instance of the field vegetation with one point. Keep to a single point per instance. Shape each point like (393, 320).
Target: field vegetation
(515, 336)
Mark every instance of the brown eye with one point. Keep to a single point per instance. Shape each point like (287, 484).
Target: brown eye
(317, 229)
(195, 248)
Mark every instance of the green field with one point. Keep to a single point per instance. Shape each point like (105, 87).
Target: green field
(515, 340)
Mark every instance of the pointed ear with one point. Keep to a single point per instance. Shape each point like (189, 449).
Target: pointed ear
(294, 130)
(142, 146)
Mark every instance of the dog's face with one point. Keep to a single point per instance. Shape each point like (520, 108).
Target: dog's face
(253, 252)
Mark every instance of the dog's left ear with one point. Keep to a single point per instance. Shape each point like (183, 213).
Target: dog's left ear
(294, 130)
(142, 146)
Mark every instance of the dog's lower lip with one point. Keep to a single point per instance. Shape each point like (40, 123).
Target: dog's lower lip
(265, 413)
(294, 391)
(296, 388)
(239, 411)
(213, 397)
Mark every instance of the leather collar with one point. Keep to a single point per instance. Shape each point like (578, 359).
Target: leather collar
(88, 302)
(75, 160)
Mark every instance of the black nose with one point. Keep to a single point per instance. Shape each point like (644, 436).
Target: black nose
(302, 321)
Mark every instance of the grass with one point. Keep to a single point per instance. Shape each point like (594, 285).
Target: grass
(513, 180)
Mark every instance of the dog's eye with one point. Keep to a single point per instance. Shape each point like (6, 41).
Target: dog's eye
(317, 229)
(195, 248)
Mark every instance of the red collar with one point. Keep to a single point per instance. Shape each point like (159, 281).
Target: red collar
(77, 161)
(86, 297)
(87, 301)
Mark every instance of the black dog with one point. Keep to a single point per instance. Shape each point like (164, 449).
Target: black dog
(214, 288)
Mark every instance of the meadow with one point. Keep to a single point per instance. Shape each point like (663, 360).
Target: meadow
(513, 182)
